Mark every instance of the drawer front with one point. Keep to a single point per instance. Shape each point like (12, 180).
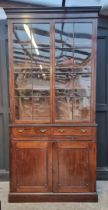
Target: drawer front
(74, 131)
(49, 133)
(82, 131)
(62, 131)
(44, 131)
(33, 131)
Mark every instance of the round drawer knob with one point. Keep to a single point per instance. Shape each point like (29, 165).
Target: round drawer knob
(83, 130)
(43, 130)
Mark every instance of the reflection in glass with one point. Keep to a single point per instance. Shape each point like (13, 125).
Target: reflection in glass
(41, 107)
(41, 81)
(81, 108)
(64, 58)
(42, 60)
(33, 96)
(32, 71)
(41, 35)
(22, 60)
(41, 104)
(82, 34)
(21, 38)
(72, 96)
(23, 81)
(23, 108)
(71, 108)
(82, 57)
(77, 58)
(29, 108)
(31, 48)
(64, 35)
(63, 106)
(23, 93)
(73, 82)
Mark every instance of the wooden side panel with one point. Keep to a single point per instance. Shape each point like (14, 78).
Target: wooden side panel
(31, 167)
(74, 167)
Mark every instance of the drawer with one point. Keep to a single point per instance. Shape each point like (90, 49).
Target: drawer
(62, 131)
(17, 132)
(82, 131)
(31, 131)
(43, 131)
(74, 131)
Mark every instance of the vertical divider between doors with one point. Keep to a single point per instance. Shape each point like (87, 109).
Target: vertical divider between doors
(52, 66)
(52, 77)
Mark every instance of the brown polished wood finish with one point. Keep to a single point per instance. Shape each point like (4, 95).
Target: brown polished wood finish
(52, 59)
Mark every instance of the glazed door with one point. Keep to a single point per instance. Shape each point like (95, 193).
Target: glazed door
(30, 71)
(31, 169)
(74, 167)
(74, 69)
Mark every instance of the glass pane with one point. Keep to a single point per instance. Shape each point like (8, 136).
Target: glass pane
(83, 34)
(63, 105)
(82, 57)
(79, 59)
(64, 35)
(41, 81)
(81, 108)
(41, 103)
(41, 107)
(22, 35)
(23, 93)
(74, 82)
(64, 58)
(23, 108)
(40, 35)
(23, 81)
(42, 59)
(72, 91)
(22, 60)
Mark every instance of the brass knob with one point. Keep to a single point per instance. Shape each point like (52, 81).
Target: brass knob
(43, 130)
(61, 130)
(83, 130)
(21, 130)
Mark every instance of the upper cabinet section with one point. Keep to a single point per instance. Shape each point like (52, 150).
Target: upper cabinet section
(53, 70)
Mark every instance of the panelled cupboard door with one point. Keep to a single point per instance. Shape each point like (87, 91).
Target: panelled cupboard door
(74, 167)
(31, 169)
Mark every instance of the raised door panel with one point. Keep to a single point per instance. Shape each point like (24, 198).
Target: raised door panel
(74, 167)
(31, 169)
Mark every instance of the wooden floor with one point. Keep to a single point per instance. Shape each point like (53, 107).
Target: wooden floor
(102, 188)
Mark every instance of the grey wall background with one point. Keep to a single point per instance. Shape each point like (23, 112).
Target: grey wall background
(102, 101)
(4, 110)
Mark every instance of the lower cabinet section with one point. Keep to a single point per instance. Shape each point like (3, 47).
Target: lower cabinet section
(58, 167)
